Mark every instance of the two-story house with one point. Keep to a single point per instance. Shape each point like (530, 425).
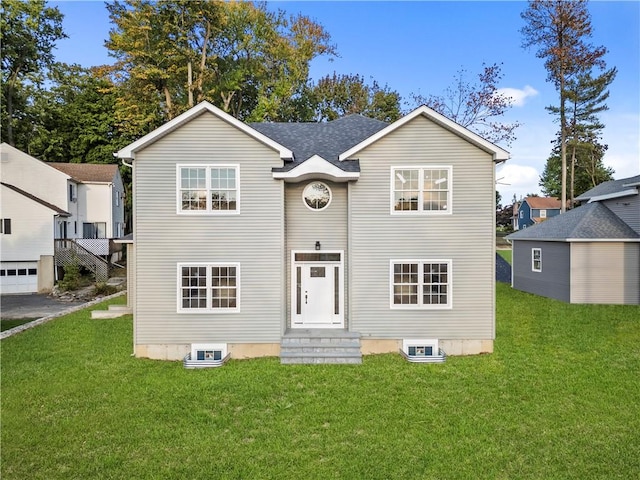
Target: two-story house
(251, 238)
(590, 254)
(42, 204)
(534, 210)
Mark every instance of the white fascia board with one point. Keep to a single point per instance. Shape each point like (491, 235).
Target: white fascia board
(499, 155)
(129, 152)
(316, 167)
(599, 240)
(608, 196)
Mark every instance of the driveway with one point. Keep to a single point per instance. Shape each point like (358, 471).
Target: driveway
(32, 306)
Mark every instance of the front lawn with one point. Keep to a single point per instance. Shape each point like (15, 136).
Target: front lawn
(505, 253)
(9, 323)
(559, 398)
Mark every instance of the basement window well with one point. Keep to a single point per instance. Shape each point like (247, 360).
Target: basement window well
(422, 351)
(206, 355)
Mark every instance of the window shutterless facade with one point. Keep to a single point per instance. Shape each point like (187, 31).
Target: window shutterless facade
(206, 288)
(424, 189)
(208, 189)
(424, 284)
(536, 259)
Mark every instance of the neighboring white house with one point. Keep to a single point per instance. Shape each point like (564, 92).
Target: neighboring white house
(291, 239)
(41, 203)
(100, 198)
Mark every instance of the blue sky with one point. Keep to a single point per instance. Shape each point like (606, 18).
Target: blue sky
(417, 47)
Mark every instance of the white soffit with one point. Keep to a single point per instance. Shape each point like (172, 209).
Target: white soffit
(318, 168)
(499, 155)
(129, 151)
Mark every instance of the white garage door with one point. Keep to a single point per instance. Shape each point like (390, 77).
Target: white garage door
(19, 277)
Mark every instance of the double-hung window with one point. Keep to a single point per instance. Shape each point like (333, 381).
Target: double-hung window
(213, 189)
(425, 189)
(208, 287)
(536, 259)
(421, 284)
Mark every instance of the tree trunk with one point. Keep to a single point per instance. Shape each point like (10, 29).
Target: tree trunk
(169, 102)
(573, 174)
(190, 84)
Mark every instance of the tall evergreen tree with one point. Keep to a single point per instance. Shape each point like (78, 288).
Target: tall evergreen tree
(560, 30)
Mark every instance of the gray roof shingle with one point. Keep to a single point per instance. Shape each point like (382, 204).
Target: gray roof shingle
(590, 221)
(607, 188)
(326, 139)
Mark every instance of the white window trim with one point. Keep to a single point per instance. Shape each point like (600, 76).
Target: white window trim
(543, 213)
(304, 201)
(207, 167)
(208, 309)
(420, 210)
(420, 305)
(533, 263)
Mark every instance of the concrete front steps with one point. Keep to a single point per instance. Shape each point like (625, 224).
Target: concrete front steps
(114, 311)
(320, 345)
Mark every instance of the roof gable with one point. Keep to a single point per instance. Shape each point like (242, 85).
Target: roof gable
(88, 172)
(44, 203)
(5, 148)
(498, 153)
(129, 152)
(593, 221)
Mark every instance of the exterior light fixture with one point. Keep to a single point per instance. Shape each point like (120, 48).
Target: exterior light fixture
(317, 245)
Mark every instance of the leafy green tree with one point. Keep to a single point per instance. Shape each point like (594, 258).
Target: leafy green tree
(77, 121)
(476, 106)
(29, 31)
(335, 96)
(560, 30)
(251, 62)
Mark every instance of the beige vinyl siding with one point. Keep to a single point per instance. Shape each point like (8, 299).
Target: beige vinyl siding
(305, 227)
(466, 237)
(164, 238)
(605, 272)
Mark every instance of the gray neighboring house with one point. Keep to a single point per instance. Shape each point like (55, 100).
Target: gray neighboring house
(590, 254)
(250, 239)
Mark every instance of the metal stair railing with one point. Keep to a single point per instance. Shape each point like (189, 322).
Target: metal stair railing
(67, 252)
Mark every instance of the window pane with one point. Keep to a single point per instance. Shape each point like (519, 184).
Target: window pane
(194, 291)
(224, 289)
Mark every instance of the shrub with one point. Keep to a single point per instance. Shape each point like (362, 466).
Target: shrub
(71, 278)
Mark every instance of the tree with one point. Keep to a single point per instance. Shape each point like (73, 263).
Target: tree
(586, 96)
(77, 122)
(475, 105)
(590, 169)
(560, 29)
(249, 61)
(335, 96)
(29, 31)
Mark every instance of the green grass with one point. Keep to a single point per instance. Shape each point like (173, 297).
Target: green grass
(506, 254)
(9, 323)
(559, 398)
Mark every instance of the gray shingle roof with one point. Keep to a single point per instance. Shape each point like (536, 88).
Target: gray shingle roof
(591, 221)
(326, 139)
(607, 188)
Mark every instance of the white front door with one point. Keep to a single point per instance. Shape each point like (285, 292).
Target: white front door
(317, 290)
